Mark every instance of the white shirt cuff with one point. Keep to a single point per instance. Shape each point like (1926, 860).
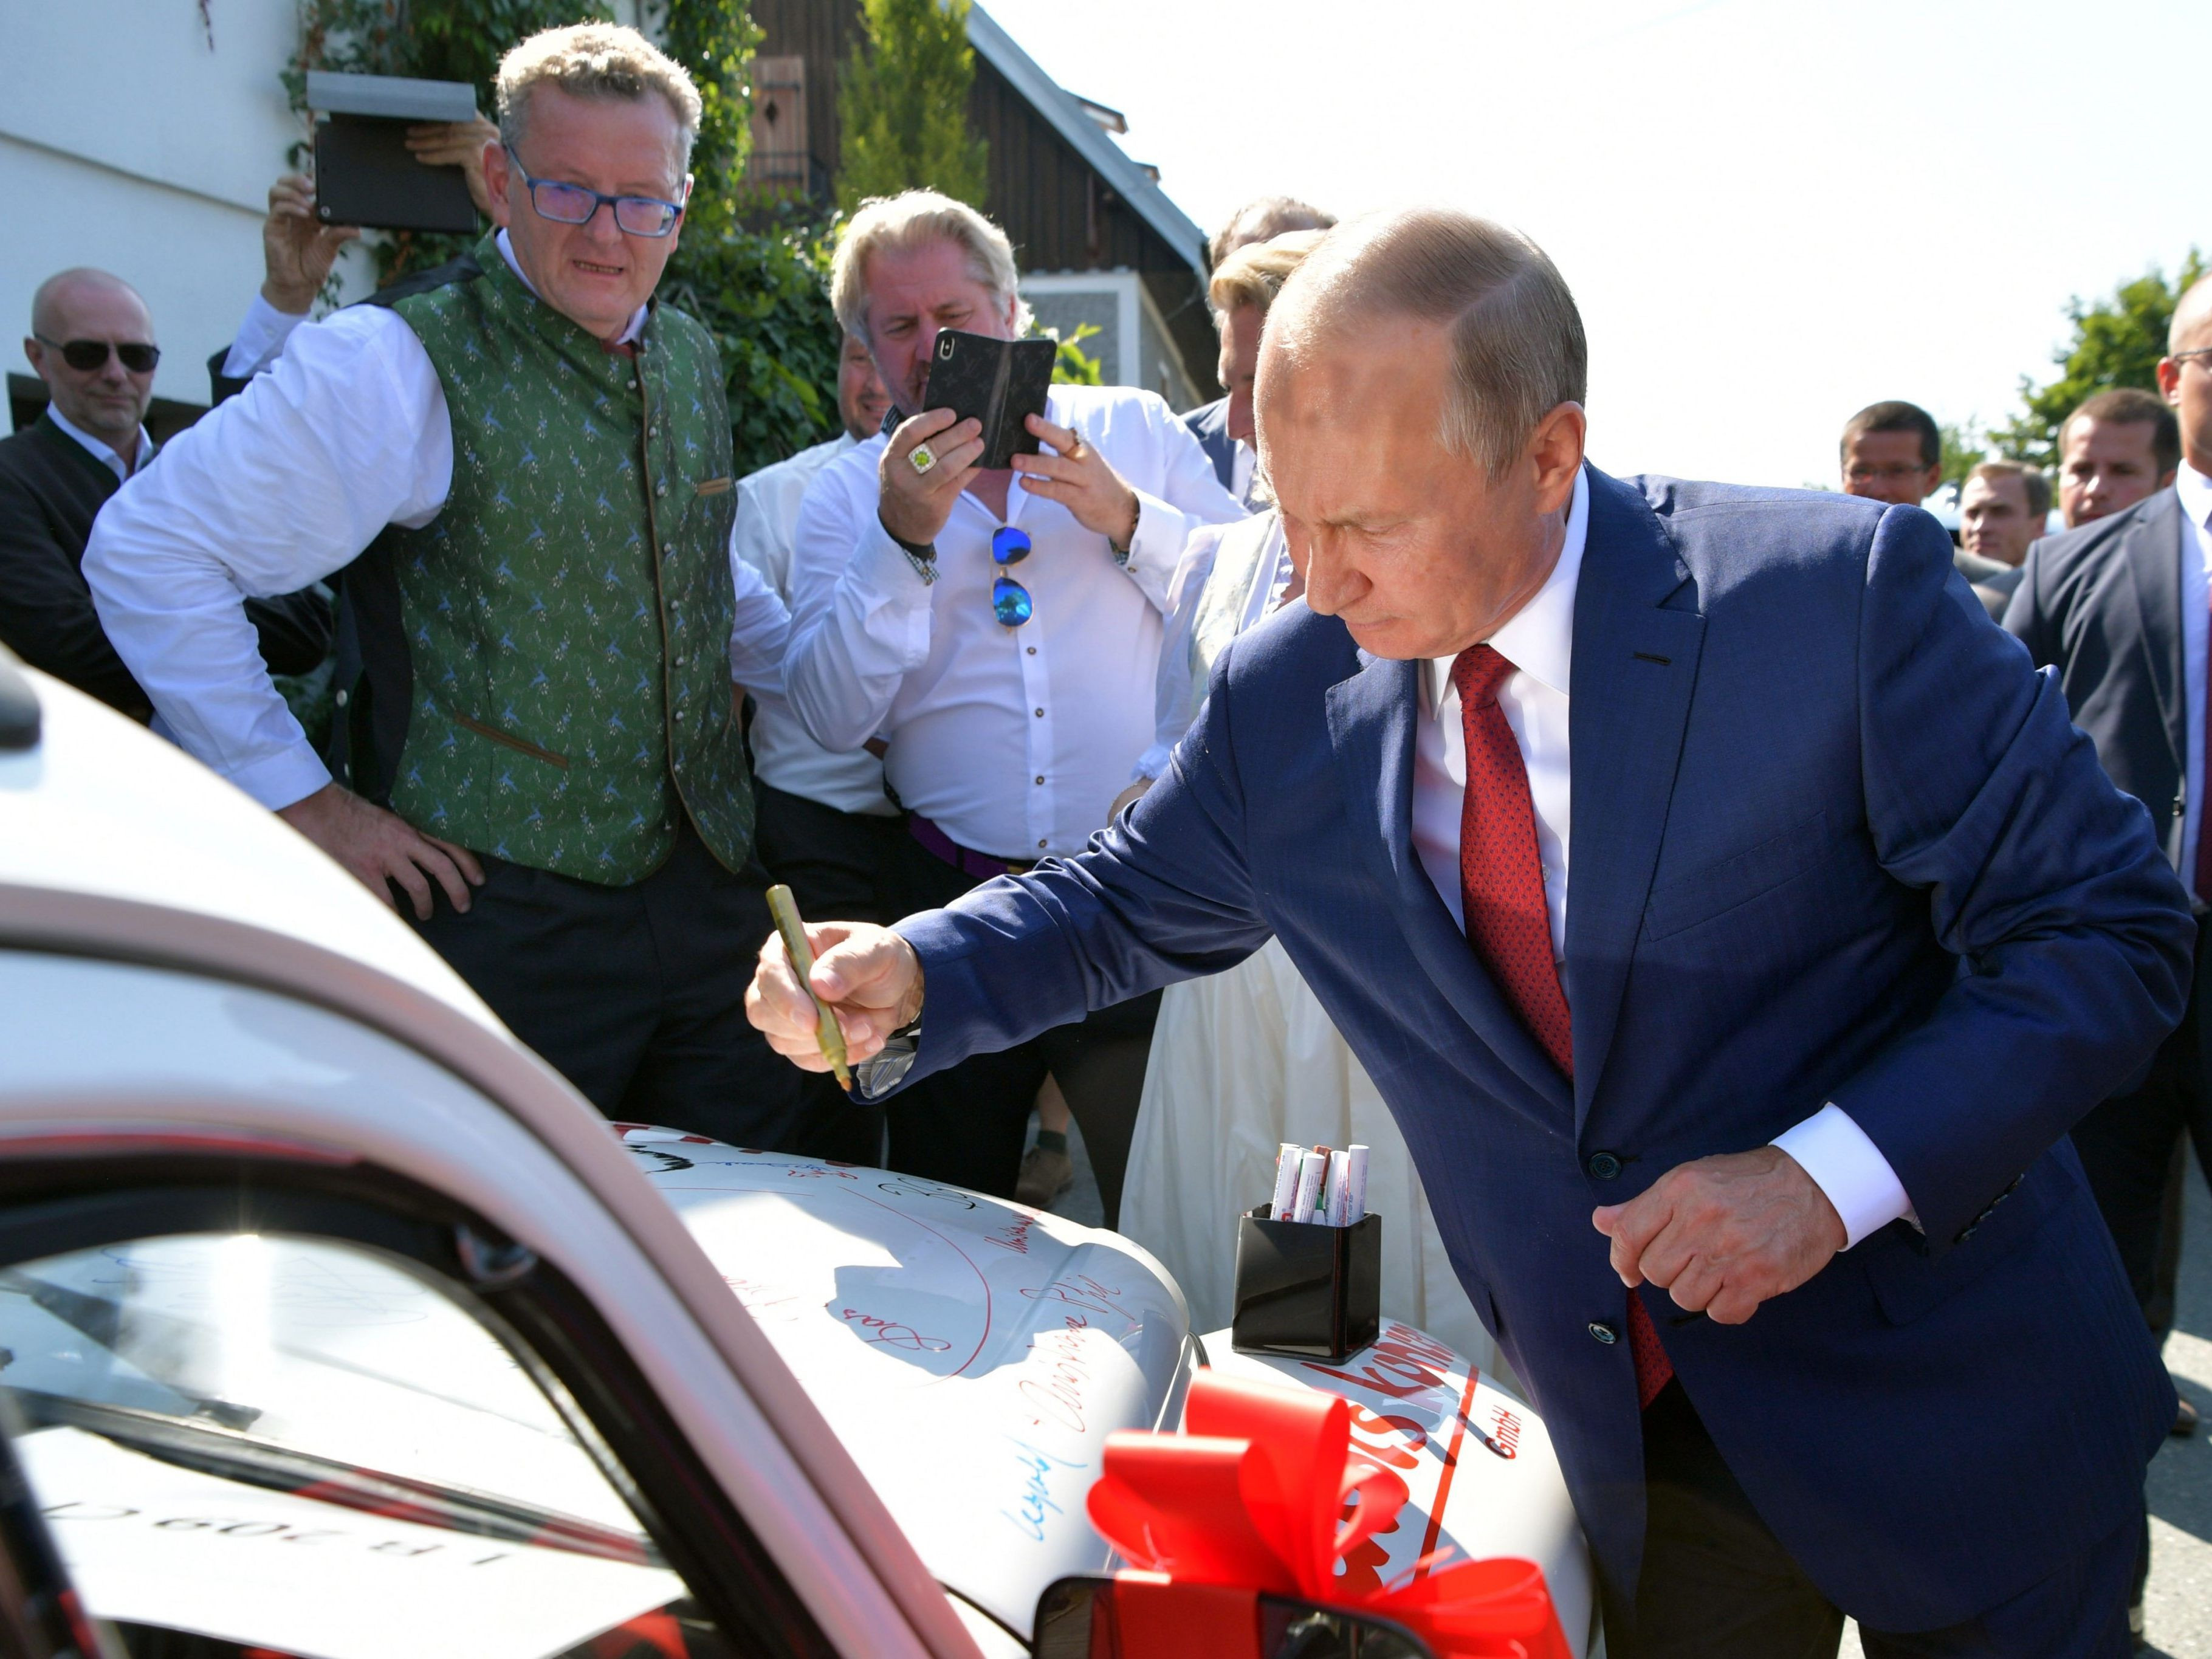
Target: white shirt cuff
(277, 780)
(1152, 763)
(1850, 1169)
(260, 337)
(1156, 548)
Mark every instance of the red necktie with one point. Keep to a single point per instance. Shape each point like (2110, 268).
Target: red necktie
(1501, 888)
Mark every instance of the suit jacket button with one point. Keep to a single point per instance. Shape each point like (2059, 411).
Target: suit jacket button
(1601, 1332)
(1604, 1165)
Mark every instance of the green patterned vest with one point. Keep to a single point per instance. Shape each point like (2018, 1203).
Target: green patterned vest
(568, 612)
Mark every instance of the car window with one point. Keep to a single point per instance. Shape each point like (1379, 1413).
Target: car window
(247, 1441)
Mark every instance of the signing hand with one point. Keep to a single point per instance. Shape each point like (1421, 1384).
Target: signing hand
(869, 975)
(1079, 478)
(1724, 1233)
(457, 144)
(379, 847)
(297, 250)
(914, 506)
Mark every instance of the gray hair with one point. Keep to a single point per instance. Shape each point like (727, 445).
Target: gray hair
(1518, 350)
(911, 220)
(1262, 219)
(593, 60)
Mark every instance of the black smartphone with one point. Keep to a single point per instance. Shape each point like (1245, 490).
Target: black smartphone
(997, 383)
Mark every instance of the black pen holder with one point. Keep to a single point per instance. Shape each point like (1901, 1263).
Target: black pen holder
(1311, 1292)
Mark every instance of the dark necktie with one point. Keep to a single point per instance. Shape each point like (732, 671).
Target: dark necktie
(1501, 889)
(2204, 833)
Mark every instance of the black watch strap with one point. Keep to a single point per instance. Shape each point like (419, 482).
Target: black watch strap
(922, 555)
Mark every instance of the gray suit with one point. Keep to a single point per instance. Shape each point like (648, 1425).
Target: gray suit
(1994, 582)
(2103, 604)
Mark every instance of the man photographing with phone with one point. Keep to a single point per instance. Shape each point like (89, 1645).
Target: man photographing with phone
(998, 632)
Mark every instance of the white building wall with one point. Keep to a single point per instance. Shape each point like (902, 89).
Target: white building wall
(127, 142)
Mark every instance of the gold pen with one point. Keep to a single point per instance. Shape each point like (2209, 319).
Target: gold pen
(827, 1032)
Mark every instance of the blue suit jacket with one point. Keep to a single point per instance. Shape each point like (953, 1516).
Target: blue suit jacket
(1833, 839)
(1209, 424)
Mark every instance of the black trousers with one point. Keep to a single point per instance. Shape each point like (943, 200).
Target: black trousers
(635, 994)
(2130, 1151)
(1718, 1584)
(965, 1125)
(833, 863)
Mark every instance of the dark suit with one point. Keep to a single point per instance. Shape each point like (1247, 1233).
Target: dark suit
(2102, 604)
(1832, 841)
(1210, 423)
(52, 488)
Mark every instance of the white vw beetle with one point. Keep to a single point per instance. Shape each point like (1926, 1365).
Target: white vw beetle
(333, 1323)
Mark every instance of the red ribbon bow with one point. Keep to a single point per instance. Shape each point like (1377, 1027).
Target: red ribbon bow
(1252, 1496)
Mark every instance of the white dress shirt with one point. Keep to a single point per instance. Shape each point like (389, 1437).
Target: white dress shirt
(784, 755)
(1014, 740)
(275, 489)
(101, 450)
(1243, 464)
(2194, 491)
(1538, 640)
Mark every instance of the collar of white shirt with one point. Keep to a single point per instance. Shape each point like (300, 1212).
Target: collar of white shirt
(2195, 492)
(100, 449)
(1538, 638)
(507, 252)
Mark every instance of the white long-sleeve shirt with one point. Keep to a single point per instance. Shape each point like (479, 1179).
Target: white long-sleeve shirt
(1015, 741)
(1537, 640)
(785, 755)
(275, 489)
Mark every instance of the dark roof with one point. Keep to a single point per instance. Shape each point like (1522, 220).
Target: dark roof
(1067, 117)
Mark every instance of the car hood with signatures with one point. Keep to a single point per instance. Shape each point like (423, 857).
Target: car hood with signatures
(972, 1354)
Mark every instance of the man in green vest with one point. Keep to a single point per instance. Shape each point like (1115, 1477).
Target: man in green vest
(526, 473)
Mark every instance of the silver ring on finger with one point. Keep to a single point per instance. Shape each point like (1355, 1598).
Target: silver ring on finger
(921, 458)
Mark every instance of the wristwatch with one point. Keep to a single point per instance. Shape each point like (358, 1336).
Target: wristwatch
(886, 1069)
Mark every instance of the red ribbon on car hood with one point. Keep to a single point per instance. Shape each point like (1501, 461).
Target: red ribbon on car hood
(1253, 1496)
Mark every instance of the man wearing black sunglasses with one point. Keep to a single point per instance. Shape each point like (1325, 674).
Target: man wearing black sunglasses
(92, 342)
(524, 472)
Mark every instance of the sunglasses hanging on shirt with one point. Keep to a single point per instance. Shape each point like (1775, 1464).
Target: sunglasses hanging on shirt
(86, 355)
(1010, 600)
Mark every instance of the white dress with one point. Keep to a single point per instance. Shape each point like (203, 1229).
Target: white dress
(1246, 1060)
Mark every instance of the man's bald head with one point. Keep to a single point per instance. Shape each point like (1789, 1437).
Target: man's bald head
(109, 400)
(67, 292)
(2185, 374)
(2191, 327)
(1515, 339)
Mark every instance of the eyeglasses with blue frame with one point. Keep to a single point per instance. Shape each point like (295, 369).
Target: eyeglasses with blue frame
(1010, 600)
(575, 204)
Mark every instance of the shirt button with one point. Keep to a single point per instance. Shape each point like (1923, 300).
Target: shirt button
(1040, 843)
(1040, 776)
(1602, 1333)
(1604, 1165)
(1040, 714)
(341, 701)
(1032, 651)
(660, 488)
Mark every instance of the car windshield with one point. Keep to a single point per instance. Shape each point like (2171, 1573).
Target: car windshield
(186, 1406)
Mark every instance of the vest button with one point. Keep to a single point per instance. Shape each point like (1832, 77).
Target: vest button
(660, 488)
(340, 699)
(1604, 1165)
(1603, 1333)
